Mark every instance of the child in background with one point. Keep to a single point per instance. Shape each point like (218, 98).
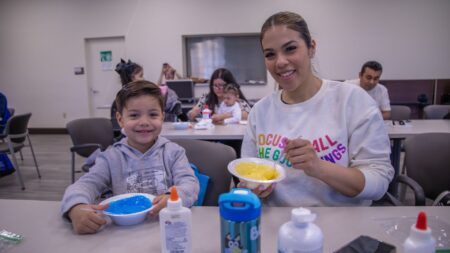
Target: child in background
(229, 110)
(141, 162)
(168, 73)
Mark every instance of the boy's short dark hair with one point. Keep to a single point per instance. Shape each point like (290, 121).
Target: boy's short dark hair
(136, 89)
(231, 88)
(372, 65)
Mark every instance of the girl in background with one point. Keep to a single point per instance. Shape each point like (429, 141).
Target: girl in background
(131, 71)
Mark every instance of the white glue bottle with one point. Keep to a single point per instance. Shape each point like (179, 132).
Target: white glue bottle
(420, 239)
(300, 235)
(175, 222)
(206, 113)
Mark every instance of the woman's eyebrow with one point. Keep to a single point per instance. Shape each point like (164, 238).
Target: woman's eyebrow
(284, 45)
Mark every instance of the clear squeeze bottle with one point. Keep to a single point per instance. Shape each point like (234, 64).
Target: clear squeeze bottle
(300, 235)
(175, 222)
(420, 239)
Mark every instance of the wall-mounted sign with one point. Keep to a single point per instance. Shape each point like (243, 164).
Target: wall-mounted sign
(106, 60)
(78, 70)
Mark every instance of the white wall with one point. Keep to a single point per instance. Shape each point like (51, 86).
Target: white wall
(41, 41)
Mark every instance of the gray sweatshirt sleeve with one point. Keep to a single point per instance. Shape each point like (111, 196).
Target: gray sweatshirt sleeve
(88, 188)
(183, 176)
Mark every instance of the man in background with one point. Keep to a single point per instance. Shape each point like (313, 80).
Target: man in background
(368, 80)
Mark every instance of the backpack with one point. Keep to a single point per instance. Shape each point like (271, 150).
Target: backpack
(6, 166)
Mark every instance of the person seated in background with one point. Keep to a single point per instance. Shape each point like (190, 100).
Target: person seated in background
(4, 112)
(229, 111)
(368, 80)
(219, 78)
(168, 73)
(128, 71)
(141, 162)
(131, 71)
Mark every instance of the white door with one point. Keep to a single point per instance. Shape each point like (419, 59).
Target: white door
(102, 55)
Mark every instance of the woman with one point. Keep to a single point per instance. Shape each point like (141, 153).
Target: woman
(329, 136)
(219, 78)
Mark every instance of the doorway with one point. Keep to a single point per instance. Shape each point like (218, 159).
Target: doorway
(102, 55)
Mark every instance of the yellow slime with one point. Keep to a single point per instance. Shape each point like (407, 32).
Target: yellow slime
(256, 171)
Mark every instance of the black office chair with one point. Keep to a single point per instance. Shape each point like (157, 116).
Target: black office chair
(427, 161)
(400, 112)
(211, 159)
(16, 133)
(88, 135)
(427, 167)
(436, 111)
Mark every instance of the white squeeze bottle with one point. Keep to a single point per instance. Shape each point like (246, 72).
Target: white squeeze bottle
(176, 225)
(206, 113)
(300, 235)
(420, 239)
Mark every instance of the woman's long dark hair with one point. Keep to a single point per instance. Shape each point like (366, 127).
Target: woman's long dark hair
(127, 70)
(211, 99)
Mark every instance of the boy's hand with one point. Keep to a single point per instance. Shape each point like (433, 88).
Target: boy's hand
(159, 203)
(85, 220)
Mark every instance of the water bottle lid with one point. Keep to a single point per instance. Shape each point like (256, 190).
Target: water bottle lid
(302, 215)
(239, 204)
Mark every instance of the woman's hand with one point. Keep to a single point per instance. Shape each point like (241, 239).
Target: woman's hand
(302, 155)
(159, 203)
(193, 113)
(85, 219)
(260, 191)
(348, 181)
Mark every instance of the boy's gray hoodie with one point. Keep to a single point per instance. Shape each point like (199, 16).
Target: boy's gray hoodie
(124, 169)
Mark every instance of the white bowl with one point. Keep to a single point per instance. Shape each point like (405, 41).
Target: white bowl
(181, 125)
(253, 183)
(128, 219)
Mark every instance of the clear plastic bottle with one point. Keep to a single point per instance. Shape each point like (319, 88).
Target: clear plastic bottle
(175, 222)
(420, 239)
(206, 113)
(300, 235)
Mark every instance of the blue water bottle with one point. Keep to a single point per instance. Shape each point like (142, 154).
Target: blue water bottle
(240, 212)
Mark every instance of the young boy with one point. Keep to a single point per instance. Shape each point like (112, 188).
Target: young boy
(229, 109)
(141, 162)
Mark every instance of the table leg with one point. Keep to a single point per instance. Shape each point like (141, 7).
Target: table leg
(395, 160)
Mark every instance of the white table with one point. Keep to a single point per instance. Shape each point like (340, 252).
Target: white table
(218, 132)
(45, 231)
(236, 131)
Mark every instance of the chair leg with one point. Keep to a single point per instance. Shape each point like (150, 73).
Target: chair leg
(16, 165)
(34, 157)
(21, 155)
(73, 167)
